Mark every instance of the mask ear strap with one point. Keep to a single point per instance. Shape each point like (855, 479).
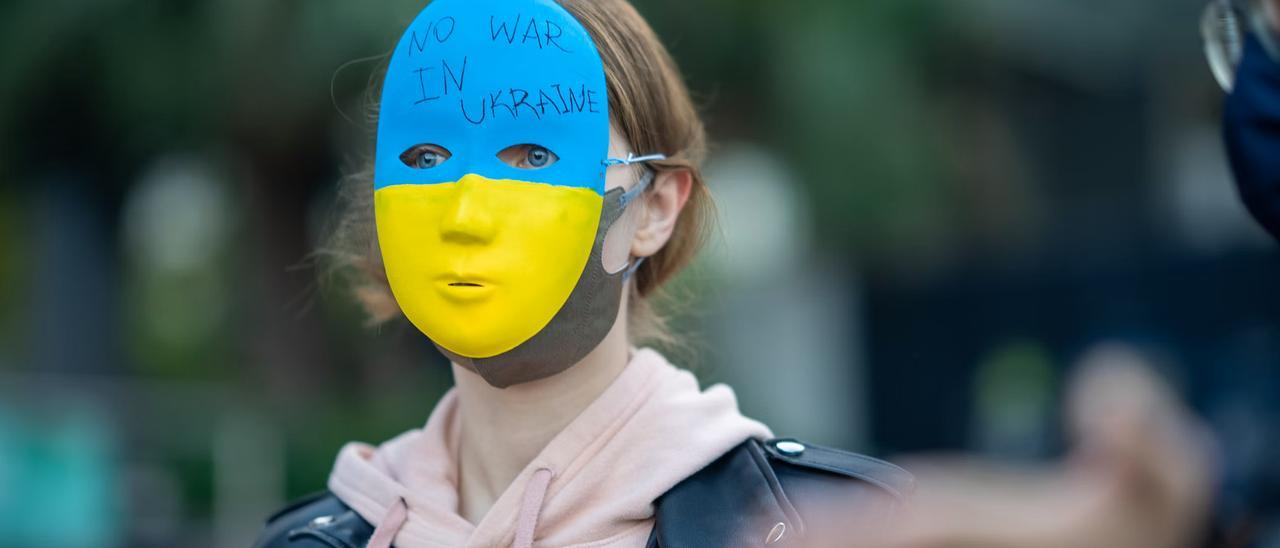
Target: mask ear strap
(645, 180)
(632, 268)
(629, 196)
(633, 159)
(624, 201)
(635, 192)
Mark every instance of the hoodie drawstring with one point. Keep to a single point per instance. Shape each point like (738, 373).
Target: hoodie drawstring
(530, 506)
(526, 522)
(391, 522)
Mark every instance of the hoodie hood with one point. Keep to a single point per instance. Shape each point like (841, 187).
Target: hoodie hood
(593, 485)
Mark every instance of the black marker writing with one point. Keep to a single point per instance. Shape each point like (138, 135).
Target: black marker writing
(422, 83)
(495, 101)
(462, 103)
(447, 75)
(434, 29)
(579, 100)
(561, 95)
(457, 79)
(532, 30)
(541, 36)
(544, 100)
(453, 24)
(511, 35)
(573, 100)
(551, 37)
(522, 100)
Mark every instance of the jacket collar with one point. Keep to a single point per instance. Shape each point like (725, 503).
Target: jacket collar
(735, 501)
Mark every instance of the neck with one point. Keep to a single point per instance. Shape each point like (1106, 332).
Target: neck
(503, 430)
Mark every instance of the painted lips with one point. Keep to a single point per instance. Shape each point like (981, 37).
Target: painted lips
(464, 288)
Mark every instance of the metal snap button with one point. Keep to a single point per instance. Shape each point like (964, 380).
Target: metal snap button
(322, 521)
(790, 448)
(776, 533)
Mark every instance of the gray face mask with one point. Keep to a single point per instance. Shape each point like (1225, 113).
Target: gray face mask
(583, 321)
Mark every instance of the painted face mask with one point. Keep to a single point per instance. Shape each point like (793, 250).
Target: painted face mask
(489, 178)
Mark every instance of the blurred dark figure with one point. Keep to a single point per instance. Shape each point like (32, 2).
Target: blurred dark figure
(1140, 474)
(1251, 121)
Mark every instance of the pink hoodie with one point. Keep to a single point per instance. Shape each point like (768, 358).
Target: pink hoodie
(593, 486)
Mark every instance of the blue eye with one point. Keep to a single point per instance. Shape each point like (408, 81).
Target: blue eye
(528, 156)
(538, 157)
(428, 160)
(425, 156)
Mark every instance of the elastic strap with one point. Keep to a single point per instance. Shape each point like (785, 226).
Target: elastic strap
(641, 186)
(632, 268)
(633, 159)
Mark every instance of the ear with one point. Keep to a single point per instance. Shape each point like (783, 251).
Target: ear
(662, 207)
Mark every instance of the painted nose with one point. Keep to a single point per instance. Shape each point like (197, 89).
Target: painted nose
(469, 219)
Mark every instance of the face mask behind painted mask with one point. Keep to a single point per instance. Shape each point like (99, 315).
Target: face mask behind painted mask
(489, 181)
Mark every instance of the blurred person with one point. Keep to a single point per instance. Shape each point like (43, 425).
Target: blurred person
(1141, 474)
(535, 181)
(1243, 45)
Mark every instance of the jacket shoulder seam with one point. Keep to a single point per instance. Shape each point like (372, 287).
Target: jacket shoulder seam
(887, 476)
(297, 504)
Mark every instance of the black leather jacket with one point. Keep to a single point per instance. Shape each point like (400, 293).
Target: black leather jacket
(759, 493)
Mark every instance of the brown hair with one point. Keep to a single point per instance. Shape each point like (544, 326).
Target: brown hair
(650, 106)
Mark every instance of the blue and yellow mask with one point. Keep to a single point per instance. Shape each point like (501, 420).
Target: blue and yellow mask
(492, 146)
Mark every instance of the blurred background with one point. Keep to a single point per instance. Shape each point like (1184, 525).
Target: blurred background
(928, 208)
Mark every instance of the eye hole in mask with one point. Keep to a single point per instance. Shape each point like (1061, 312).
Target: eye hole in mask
(528, 156)
(425, 156)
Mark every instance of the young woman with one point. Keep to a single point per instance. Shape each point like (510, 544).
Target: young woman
(536, 178)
